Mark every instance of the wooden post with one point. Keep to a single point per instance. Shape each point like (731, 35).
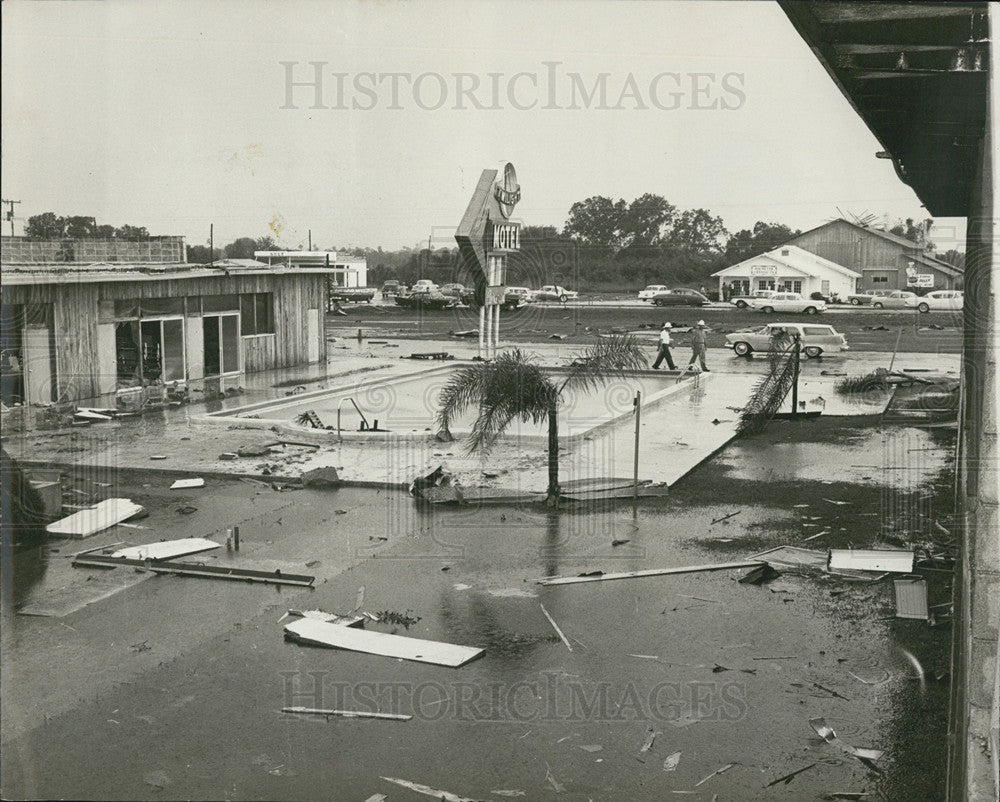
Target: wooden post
(796, 353)
(635, 465)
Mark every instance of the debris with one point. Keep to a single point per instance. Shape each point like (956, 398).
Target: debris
(818, 534)
(426, 790)
(591, 577)
(433, 355)
(793, 557)
(166, 549)
(182, 484)
(824, 731)
(187, 509)
(465, 333)
(157, 779)
(671, 761)
(911, 598)
(759, 575)
(227, 456)
(351, 620)
(307, 711)
(376, 797)
(557, 336)
(789, 777)
(391, 616)
(846, 795)
(96, 519)
(615, 543)
(157, 456)
(425, 651)
(275, 577)
(650, 737)
(259, 450)
(885, 678)
(894, 560)
(555, 626)
(726, 517)
(140, 647)
(715, 773)
(550, 778)
(838, 503)
(508, 793)
(325, 476)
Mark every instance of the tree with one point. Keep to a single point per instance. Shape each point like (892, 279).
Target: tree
(265, 243)
(596, 221)
(79, 227)
(698, 231)
(748, 243)
(46, 225)
(647, 221)
(514, 387)
(200, 255)
(241, 248)
(915, 232)
(953, 257)
(132, 232)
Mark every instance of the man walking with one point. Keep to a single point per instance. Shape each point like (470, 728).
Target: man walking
(698, 345)
(664, 349)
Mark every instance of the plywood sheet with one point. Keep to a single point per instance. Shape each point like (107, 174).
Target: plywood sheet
(894, 560)
(91, 521)
(323, 633)
(167, 549)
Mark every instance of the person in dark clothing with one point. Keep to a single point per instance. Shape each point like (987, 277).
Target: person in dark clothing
(664, 349)
(699, 345)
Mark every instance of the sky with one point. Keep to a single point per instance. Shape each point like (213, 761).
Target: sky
(178, 115)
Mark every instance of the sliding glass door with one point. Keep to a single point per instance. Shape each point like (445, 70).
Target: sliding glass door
(222, 344)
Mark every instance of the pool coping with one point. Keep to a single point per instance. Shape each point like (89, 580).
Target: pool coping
(231, 417)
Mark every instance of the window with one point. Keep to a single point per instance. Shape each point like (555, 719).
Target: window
(880, 279)
(219, 303)
(256, 313)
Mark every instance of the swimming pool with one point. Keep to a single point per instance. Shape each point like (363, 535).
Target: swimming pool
(404, 406)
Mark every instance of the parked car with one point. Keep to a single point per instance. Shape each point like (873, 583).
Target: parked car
(458, 291)
(680, 297)
(391, 287)
(652, 291)
(816, 339)
(426, 299)
(865, 298)
(553, 292)
(515, 297)
(897, 299)
(424, 285)
(942, 300)
(789, 302)
(352, 294)
(743, 301)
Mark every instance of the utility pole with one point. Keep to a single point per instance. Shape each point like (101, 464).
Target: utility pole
(10, 213)
(211, 243)
(310, 239)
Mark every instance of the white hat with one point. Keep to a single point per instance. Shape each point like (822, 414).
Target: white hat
(701, 322)
(667, 326)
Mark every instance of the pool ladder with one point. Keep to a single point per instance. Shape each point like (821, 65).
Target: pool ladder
(365, 426)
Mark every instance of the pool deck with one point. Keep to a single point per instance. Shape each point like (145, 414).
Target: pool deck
(675, 436)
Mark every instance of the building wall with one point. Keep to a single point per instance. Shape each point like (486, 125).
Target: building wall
(868, 254)
(154, 249)
(83, 321)
(838, 282)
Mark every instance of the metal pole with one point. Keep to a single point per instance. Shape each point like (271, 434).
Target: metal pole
(635, 464)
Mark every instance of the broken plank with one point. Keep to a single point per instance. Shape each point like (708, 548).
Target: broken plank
(689, 569)
(182, 484)
(313, 711)
(167, 549)
(194, 569)
(89, 522)
(555, 626)
(310, 630)
(426, 790)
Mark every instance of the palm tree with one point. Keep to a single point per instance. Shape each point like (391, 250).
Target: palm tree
(772, 389)
(513, 387)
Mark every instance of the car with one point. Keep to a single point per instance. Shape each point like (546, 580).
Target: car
(866, 297)
(897, 299)
(680, 297)
(427, 299)
(789, 302)
(352, 294)
(516, 296)
(424, 285)
(391, 287)
(553, 292)
(942, 300)
(743, 301)
(652, 291)
(458, 291)
(816, 339)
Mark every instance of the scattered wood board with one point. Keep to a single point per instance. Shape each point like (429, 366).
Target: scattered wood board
(688, 569)
(167, 549)
(894, 560)
(182, 484)
(322, 633)
(276, 577)
(96, 519)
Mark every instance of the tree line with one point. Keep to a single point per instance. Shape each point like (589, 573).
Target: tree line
(606, 244)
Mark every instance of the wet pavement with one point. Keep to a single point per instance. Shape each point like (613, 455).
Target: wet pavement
(171, 688)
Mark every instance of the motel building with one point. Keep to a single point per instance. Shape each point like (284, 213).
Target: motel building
(788, 269)
(141, 326)
(343, 272)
